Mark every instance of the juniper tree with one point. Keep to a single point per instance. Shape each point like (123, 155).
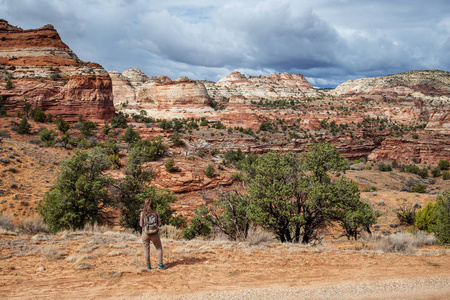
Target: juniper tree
(79, 195)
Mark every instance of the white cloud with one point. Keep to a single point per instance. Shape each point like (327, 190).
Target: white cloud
(328, 41)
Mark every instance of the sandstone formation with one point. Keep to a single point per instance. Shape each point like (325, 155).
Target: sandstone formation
(271, 87)
(425, 92)
(37, 67)
(160, 96)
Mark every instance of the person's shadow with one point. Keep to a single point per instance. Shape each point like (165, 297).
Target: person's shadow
(185, 261)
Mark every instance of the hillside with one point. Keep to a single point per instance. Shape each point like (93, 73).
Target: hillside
(384, 126)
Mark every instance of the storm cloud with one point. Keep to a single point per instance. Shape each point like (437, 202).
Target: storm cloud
(328, 41)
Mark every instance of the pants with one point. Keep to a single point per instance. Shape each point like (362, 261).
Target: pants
(146, 238)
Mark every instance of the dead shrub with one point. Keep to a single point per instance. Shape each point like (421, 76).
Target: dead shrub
(7, 223)
(73, 258)
(397, 243)
(86, 248)
(170, 232)
(81, 264)
(33, 225)
(96, 228)
(257, 236)
(423, 239)
(52, 253)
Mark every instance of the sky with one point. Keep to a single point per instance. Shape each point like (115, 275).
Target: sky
(327, 41)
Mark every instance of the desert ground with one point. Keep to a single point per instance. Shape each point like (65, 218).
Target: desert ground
(109, 265)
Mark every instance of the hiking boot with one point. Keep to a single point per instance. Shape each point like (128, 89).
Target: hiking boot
(162, 267)
(149, 268)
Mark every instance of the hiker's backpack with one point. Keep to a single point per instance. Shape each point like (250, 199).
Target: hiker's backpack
(151, 223)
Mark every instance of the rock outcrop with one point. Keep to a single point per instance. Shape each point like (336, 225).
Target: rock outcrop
(426, 92)
(272, 87)
(37, 67)
(133, 87)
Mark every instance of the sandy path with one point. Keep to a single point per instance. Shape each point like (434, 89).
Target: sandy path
(198, 269)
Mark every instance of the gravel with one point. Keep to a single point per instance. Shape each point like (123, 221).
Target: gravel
(437, 287)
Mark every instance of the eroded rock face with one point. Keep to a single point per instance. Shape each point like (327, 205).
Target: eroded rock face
(43, 71)
(134, 87)
(429, 150)
(271, 87)
(425, 92)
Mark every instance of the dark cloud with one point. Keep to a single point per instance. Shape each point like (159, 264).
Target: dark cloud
(329, 41)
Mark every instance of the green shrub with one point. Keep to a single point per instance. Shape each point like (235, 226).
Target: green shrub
(200, 226)
(415, 136)
(423, 173)
(444, 165)
(48, 136)
(38, 115)
(88, 128)
(170, 166)
(119, 121)
(446, 175)
(436, 172)
(147, 150)
(9, 84)
(131, 136)
(176, 140)
(232, 156)
(442, 214)
(370, 189)
(412, 169)
(177, 125)
(24, 127)
(62, 125)
(210, 172)
(418, 188)
(384, 167)
(114, 159)
(106, 129)
(164, 124)
(215, 151)
(82, 143)
(394, 164)
(425, 217)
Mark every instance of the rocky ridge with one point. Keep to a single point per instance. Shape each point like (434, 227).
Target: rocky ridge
(45, 72)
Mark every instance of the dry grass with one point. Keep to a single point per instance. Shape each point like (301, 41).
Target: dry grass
(171, 232)
(258, 236)
(424, 239)
(52, 253)
(96, 228)
(405, 243)
(81, 264)
(6, 222)
(86, 248)
(33, 225)
(397, 243)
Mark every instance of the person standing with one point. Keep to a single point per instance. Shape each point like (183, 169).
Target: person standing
(150, 223)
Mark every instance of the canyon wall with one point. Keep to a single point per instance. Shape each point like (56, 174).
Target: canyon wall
(37, 67)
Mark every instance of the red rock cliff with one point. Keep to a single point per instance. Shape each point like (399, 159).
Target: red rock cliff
(44, 71)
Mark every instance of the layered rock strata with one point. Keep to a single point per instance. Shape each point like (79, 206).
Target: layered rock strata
(37, 67)
(135, 88)
(425, 92)
(271, 87)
